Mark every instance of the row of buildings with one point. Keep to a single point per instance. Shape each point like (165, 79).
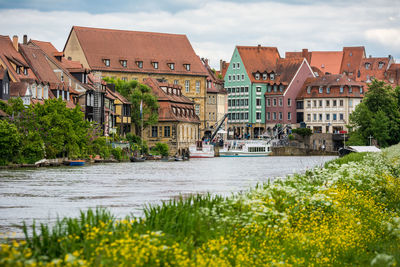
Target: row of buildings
(317, 88)
(190, 95)
(258, 88)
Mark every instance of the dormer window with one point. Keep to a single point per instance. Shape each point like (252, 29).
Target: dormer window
(281, 88)
(328, 90)
(233, 66)
(367, 65)
(106, 62)
(238, 65)
(25, 71)
(174, 110)
(155, 65)
(341, 89)
(257, 76)
(381, 64)
(350, 89)
(308, 89)
(272, 76)
(361, 90)
(265, 76)
(171, 66)
(18, 69)
(124, 63)
(139, 64)
(321, 89)
(186, 66)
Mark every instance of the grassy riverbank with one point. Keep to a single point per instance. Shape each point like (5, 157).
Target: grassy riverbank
(347, 213)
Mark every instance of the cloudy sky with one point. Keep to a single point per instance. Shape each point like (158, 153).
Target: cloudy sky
(215, 27)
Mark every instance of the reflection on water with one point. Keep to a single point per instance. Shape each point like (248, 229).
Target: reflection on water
(125, 188)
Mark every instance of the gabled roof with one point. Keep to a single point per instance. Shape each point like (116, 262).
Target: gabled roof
(132, 46)
(117, 95)
(334, 82)
(351, 60)
(286, 69)
(9, 55)
(366, 73)
(173, 105)
(18, 89)
(258, 58)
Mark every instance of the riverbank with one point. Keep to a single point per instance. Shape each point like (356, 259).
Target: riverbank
(344, 214)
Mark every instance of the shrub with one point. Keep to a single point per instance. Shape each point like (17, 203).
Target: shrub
(117, 153)
(160, 149)
(302, 131)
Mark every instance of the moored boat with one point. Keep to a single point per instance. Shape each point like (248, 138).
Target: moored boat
(77, 162)
(245, 148)
(201, 150)
(137, 159)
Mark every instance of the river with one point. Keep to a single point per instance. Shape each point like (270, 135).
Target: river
(125, 188)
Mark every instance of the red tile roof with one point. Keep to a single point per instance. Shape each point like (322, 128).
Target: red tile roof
(116, 45)
(173, 105)
(334, 82)
(351, 60)
(18, 89)
(9, 55)
(258, 58)
(366, 73)
(118, 96)
(393, 72)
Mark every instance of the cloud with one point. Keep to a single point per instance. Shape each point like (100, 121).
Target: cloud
(215, 27)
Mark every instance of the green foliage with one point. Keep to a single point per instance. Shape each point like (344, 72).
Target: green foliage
(100, 146)
(291, 137)
(117, 153)
(160, 149)
(9, 142)
(378, 116)
(302, 131)
(138, 93)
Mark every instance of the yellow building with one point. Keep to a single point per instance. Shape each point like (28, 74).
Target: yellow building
(178, 125)
(131, 55)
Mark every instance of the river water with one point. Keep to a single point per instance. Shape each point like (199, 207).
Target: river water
(125, 188)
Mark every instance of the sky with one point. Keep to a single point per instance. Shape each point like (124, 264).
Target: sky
(214, 28)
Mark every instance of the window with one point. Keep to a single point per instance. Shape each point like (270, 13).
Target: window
(289, 116)
(171, 66)
(167, 131)
(229, 103)
(242, 102)
(334, 103)
(268, 116)
(242, 77)
(341, 117)
(264, 76)
(328, 90)
(350, 89)
(246, 102)
(268, 102)
(238, 102)
(155, 65)
(246, 89)
(123, 63)
(320, 117)
(321, 89)
(229, 77)
(139, 64)
(154, 131)
(350, 103)
(280, 102)
(197, 109)
(238, 77)
(242, 89)
(327, 103)
(197, 86)
(308, 117)
(238, 65)
(274, 116)
(269, 88)
(281, 87)
(361, 90)
(308, 89)
(315, 103)
(275, 88)
(274, 102)
(334, 116)
(320, 103)
(124, 78)
(25, 71)
(367, 65)
(341, 89)
(257, 75)
(258, 89)
(246, 116)
(186, 66)
(187, 86)
(309, 103)
(258, 102)
(233, 77)
(280, 116)
(258, 115)
(233, 66)
(381, 64)
(272, 76)
(328, 117)
(176, 82)
(314, 117)
(341, 103)
(106, 62)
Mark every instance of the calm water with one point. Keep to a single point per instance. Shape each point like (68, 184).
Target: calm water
(45, 193)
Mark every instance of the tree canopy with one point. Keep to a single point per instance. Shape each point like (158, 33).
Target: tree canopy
(378, 116)
(137, 93)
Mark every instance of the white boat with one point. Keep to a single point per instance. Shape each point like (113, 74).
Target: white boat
(201, 150)
(245, 148)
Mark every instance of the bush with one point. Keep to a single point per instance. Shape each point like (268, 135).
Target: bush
(9, 142)
(302, 131)
(117, 153)
(160, 149)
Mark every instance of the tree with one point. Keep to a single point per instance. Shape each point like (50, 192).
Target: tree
(9, 142)
(138, 93)
(378, 116)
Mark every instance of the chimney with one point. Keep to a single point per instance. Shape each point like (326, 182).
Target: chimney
(259, 48)
(304, 52)
(25, 39)
(15, 42)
